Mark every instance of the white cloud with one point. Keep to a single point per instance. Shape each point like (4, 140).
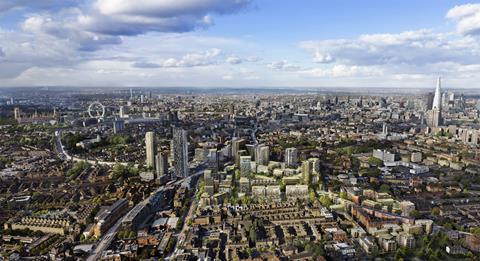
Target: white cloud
(253, 59)
(341, 70)
(412, 76)
(414, 47)
(323, 58)
(234, 60)
(42, 26)
(153, 42)
(7, 5)
(58, 36)
(283, 66)
(168, 8)
(126, 17)
(205, 58)
(24, 50)
(467, 17)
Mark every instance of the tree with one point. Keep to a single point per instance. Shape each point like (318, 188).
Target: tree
(384, 188)
(312, 196)
(475, 231)
(374, 161)
(326, 201)
(400, 254)
(252, 234)
(170, 245)
(415, 214)
(389, 208)
(121, 172)
(77, 169)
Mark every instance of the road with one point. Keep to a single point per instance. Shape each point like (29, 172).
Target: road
(254, 134)
(107, 239)
(105, 242)
(64, 155)
(183, 233)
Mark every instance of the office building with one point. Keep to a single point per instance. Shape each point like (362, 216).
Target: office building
(17, 113)
(245, 166)
(262, 154)
(121, 112)
(213, 160)
(161, 164)
(180, 153)
(118, 126)
(151, 148)
(307, 169)
(291, 157)
(237, 145)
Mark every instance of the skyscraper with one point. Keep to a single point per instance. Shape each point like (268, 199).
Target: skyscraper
(151, 148)
(307, 168)
(291, 157)
(437, 99)
(436, 113)
(121, 112)
(161, 164)
(180, 154)
(262, 154)
(429, 100)
(237, 145)
(17, 113)
(245, 166)
(213, 161)
(118, 126)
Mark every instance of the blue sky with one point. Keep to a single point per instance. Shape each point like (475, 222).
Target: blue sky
(234, 43)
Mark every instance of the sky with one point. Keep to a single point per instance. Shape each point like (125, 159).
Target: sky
(240, 43)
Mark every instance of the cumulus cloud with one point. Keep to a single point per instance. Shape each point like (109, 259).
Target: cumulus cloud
(23, 51)
(341, 70)
(409, 56)
(416, 48)
(205, 58)
(283, 66)
(42, 41)
(146, 65)
(168, 8)
(322, 58)
(7, 5)
(234, 60)
(253, 59)
(46, 26)
(126, 17)
(55, 35)
(467, 17)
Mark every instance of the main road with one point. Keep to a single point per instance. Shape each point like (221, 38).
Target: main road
(107, 239)
(64, 155)
(254, 133)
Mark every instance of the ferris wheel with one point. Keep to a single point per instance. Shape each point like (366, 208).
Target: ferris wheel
(96, 110)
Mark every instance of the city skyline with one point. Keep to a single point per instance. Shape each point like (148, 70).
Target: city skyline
(232, 130)
(247, 43)
(111, 174)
